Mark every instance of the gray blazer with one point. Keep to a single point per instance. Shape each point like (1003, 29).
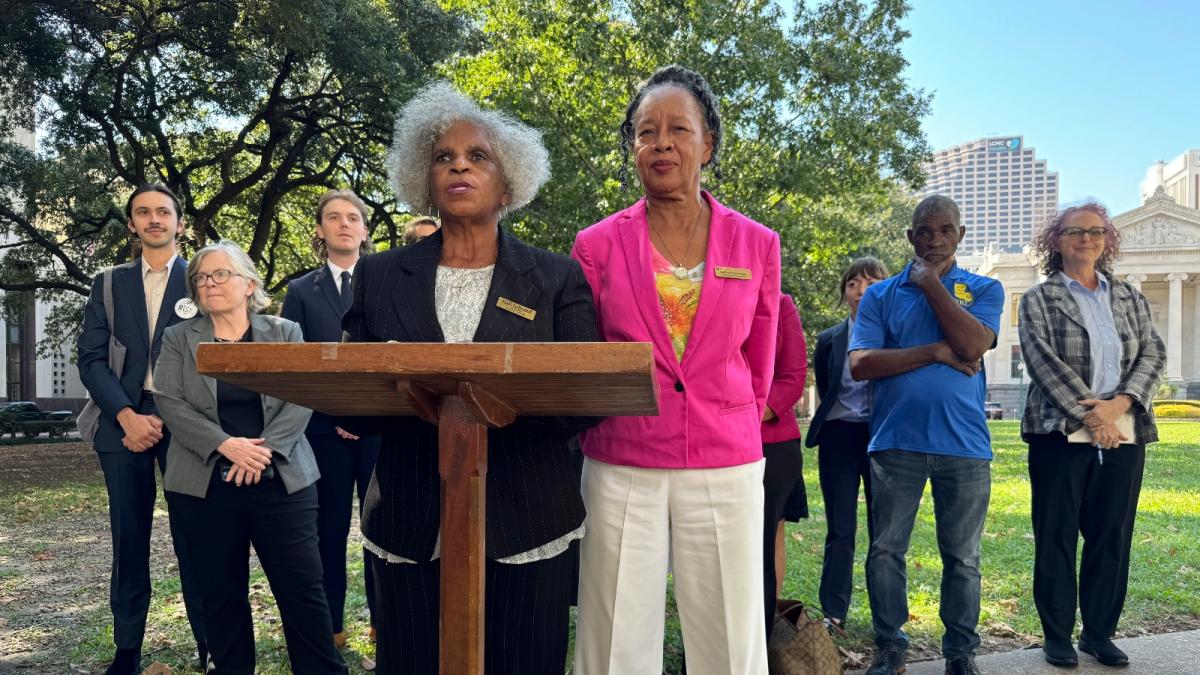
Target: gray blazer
(187, 402)
(1057, 351)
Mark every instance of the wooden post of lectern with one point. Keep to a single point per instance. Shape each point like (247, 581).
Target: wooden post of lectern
(464, 389)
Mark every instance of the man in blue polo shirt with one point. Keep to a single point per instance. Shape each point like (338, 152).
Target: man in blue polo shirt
(919, 338)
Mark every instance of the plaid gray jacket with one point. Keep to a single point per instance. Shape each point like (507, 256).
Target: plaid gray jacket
(1057, 357)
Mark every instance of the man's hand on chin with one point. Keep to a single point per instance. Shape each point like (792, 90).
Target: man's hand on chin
(925, 270)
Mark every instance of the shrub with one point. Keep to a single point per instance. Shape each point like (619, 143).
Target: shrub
(1177, 409)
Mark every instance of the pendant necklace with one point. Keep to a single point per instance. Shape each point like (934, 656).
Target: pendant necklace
(678, 270)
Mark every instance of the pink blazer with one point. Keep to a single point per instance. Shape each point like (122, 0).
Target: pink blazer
(791, 367)
(711, 402)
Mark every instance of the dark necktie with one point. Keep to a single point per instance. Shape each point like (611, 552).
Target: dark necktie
(347, 291)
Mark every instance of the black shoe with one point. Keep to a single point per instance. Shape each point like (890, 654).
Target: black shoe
(888, 661)
(1060, 653)
(126, 662)
(202, 652)
(963, 665)
(1103, 649)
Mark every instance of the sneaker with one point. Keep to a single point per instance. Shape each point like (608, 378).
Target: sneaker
(834, 627)
(963, 665)
(888, 661)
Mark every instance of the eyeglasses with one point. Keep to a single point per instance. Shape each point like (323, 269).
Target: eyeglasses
(218, 277)
(1079, 232)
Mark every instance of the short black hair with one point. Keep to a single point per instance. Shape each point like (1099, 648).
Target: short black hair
(694, 84)
(934, 205)
(153, 187)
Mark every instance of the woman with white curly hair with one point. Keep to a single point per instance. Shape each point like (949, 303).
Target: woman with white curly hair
(471, 281)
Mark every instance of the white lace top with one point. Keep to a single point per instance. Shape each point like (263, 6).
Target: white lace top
(459, 295)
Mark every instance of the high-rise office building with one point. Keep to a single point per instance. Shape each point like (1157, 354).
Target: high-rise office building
(1003, 191)
(1180, 178)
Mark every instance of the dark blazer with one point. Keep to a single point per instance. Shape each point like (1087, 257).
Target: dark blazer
(313, 302)
(828, 360)
(188, 403)
(110, 390)
(533, 479)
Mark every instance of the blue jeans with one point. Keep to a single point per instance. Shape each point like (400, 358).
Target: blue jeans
(961, 488)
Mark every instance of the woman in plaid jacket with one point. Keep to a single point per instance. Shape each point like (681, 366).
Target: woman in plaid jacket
(1095, 360)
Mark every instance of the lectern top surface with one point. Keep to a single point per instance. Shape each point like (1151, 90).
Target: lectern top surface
(535, 378)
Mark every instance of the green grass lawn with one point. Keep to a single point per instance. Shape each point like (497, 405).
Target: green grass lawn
(1163, 591)
(1166, 553)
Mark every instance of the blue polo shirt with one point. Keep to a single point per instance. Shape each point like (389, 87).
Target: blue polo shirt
(935, 408)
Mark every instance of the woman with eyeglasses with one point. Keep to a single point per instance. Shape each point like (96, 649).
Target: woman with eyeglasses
(1094, 360)
(240, 471)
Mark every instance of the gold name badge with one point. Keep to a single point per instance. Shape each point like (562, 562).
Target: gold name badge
(732, 272)
(516, 308)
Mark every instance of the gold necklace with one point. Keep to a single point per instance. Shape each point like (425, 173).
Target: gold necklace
(678, 271)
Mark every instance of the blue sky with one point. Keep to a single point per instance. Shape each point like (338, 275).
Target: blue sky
(1100, 89)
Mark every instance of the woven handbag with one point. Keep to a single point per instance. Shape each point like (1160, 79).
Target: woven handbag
(800, 643)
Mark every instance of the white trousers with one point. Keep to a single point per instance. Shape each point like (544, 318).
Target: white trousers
(708, 524)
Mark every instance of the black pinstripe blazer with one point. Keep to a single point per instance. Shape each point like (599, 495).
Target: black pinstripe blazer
(533, 478)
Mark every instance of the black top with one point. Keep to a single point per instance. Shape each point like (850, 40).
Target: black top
(240, 411)
(533, 477)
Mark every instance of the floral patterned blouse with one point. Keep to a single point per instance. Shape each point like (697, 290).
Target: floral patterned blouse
(678, 298)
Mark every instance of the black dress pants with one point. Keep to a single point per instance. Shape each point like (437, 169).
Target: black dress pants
(843, 464)
(283, 530)
(526, 607)
(132, 491)
(784, 466)
(1075, 493)
(344, 465)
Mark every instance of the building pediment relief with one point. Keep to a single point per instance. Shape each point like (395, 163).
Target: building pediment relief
(1159, 223)
(1160, 232)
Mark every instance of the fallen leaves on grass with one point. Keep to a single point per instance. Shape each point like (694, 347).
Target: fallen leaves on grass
(852, 660)
(157, 668)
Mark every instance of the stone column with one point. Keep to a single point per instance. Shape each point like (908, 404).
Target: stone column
(1135, 280)
(1175, 327)
(1195, 332)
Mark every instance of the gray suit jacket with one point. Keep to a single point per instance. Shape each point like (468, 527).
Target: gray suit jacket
(187, 402)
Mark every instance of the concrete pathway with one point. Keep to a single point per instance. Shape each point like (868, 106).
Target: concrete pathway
(1149, 655)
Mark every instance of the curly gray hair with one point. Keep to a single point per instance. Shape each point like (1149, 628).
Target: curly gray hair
(522, 156)
(242, 265)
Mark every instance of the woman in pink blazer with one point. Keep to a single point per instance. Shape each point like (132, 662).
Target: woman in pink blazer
(784, 467)
(700, 282)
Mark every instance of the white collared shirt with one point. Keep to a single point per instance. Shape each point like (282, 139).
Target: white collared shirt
(337, 273)
(154, 286)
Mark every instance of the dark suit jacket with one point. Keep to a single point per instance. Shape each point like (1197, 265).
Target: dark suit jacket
(113, 391)
(313, 302)
(828, 360)
(533, 479)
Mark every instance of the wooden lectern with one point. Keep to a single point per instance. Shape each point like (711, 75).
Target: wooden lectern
(463, 389)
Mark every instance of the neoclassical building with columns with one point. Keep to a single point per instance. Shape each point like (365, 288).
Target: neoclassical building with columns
(1160, 254)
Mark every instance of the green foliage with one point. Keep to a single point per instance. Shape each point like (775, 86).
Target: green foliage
(821, 128)
(249, 111)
